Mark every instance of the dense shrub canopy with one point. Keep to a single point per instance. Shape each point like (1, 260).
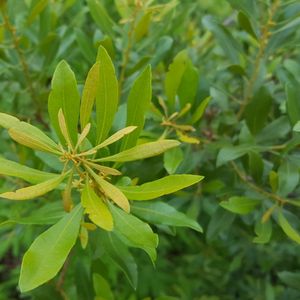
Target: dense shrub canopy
(111, 113)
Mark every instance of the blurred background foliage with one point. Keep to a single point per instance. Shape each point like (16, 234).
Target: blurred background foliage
(226, 78)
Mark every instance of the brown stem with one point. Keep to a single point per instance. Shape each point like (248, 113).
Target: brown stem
(256, 188)
(16, 44)
(128, 49)
(61, 280)
(261, 52)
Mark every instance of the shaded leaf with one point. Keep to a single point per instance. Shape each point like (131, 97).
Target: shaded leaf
(287, 228)
(162, 213)
(240, 205)
(137, 233)
(172, 159)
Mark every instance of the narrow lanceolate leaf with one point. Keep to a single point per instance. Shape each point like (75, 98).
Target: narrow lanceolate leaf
(135, 232)
(64, 95)
(63, 128)
(32, 137)
(112, 192)
(240, 205)
(137, 104)
(164, 186)
(83, 135)
(97, 210)
(174, 75)
(200, 110)
(162, 213)
(8, 121)
(11, 168)
(142, 151)
(112, 139)
(89, 94)
(287, 228)
(48, 252)
(107, 96)
(34, 191)
(104, 169)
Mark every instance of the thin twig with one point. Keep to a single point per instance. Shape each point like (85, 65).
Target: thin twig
(261, 52)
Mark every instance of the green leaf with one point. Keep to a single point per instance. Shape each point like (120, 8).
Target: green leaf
(291, 279)
(263, 232)
(136, 233)
(297, 127)
(120, 255)
(172, 159)
(287, 228)
(220, 221)
(200, 110)
(112, 139)
(240, 205)
(228, 153)
(142, 151)
(293, 103)
(100, 16)
(11, 168)
(138, 103)
(158, 212)
(32, 137)
(112, 192)
(188, 87)
(89, 94)
(257, 111)
(8, 121)
(142, 27)
(229, 44)
(102, 288)
(245, 23)
(36, 10)
(256, 166)
(288, 177)
(107, 96)
(174, 76)
(35, 191)
(164, 186)
(48, 252)
(64, 95)
(97, 210)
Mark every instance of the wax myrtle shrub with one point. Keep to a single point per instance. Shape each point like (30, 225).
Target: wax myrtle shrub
(85, 167)
(225, 77)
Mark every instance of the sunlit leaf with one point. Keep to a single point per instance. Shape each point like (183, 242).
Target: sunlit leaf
(166, 185)
(97, 210)
(34, 191)
(240, 205)
(48, 252)
(142, 151)
(287, 228)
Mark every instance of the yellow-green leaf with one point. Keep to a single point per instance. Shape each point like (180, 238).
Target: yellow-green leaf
(11, 168)
(32, 137)
(89, 94)
(63, 128)
(8, 121)
(142, 151)
(142, 27)
(112, 139)
(200, 110)
(97, 210)
(107, 96)
(287, 228)
(34, 191)
(48, 252)
(240, 205)
(164, 186)
(112, 192)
